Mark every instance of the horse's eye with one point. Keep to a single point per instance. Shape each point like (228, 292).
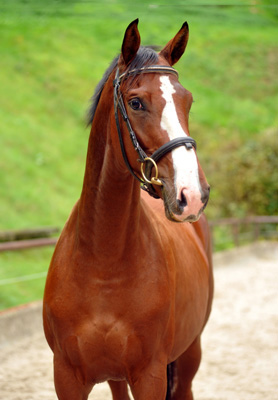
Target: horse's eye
(136, 104)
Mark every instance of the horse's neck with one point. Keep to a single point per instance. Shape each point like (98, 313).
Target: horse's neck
(109, 207)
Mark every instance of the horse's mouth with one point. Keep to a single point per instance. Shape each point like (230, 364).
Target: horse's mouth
(174, 218)
(174, 208)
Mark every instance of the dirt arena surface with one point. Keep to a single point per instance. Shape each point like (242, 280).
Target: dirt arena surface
(240, 343)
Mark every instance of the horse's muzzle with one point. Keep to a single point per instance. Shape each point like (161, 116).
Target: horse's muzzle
(189, 205)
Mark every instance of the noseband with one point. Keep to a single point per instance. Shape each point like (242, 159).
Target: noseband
(146, 181)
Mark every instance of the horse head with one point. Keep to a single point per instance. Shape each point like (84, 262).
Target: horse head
(155, 109)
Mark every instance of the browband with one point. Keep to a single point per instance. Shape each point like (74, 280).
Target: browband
(153, 68)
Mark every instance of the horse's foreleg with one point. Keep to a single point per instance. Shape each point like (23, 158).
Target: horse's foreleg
(119, 390)
(186, 367)
(69, 384)
(151, 384)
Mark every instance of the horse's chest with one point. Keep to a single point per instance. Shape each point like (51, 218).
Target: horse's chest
(127, 306)
(119, 325)
(103, 347)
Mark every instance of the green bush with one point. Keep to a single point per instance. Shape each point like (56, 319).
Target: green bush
(246, 177)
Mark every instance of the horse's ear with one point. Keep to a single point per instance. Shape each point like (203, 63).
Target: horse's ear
(131, 43)
(175, 48)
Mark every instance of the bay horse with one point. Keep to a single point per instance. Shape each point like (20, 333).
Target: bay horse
(129, 288)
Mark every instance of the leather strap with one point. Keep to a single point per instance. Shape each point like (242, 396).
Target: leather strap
(118, 103)
(186, 141)
(153, 68)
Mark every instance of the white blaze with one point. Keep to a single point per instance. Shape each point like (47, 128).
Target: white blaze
(184, 161)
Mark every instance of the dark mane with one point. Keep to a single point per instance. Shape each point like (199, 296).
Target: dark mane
(145, 56)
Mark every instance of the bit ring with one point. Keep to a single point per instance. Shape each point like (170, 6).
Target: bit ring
(154, 180)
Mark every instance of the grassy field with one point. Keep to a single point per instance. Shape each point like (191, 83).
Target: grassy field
(52, 56)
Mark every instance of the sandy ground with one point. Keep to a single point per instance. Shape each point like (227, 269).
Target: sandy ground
(240, 343)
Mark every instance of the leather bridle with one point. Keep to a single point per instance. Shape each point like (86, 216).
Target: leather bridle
(146, 181)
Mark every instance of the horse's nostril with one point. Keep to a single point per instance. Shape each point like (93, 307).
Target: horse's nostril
(182, 202)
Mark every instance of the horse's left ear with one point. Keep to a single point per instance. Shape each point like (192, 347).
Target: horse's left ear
(176, 47)
(131, 43)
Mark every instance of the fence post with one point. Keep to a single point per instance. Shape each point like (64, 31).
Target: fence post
(256, 232)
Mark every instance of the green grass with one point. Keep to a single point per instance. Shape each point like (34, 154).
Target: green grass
(22, 275)
(52, 56)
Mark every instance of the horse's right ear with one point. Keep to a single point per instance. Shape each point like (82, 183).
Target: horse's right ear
(131, 43)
